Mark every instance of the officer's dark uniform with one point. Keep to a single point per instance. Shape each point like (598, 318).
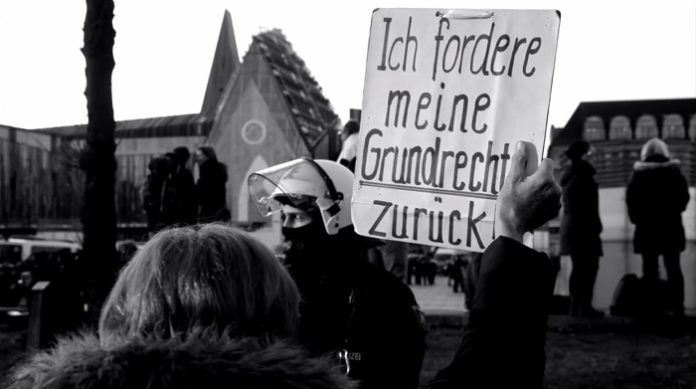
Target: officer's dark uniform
(362, 314)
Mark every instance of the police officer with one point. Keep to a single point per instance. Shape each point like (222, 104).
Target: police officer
(362, 314)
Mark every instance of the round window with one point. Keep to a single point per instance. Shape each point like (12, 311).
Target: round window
(253, 132)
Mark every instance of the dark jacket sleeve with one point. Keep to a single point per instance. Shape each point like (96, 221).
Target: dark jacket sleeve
(632, 194)
(682, 192)
(503, 343)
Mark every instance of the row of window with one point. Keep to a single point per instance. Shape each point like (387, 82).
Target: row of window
(646, 128)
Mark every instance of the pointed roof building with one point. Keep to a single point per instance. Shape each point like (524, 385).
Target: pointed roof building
(264, 110)
(225, 65)
(273, 111)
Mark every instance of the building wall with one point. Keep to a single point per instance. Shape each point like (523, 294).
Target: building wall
(132, 158)
(247, 139)
(40, 181)
(255, 129)
(156, 146)
(617, 147)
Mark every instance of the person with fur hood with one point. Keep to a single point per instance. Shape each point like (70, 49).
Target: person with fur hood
(656, 196)
(197, 307)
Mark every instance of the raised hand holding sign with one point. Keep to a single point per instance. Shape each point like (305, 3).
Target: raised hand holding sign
(527, 201)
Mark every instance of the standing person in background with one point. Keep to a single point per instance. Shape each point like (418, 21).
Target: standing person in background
(156, 194)
(580, 228)
(211, 192)
(349, 139)
(656, 196)
(392, 255)
(395, 258)
(184, 186)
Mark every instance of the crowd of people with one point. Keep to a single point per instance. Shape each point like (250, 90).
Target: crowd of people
(170, 197)
(204, 304)
(208, 305)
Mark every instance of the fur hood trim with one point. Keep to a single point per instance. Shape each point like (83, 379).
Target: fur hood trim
(213, 362)
(642, 165)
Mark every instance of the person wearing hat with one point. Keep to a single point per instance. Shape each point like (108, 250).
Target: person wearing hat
(580, 228)
(349, 151)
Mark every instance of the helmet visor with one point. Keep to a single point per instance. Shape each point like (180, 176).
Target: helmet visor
(296, 183)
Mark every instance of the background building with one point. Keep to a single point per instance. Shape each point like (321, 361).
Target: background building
(617, 130)
(257, 112)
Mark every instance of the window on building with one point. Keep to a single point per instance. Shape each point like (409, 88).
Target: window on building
(593, 129)
(620, 128)
(673, 127)
(646, 127)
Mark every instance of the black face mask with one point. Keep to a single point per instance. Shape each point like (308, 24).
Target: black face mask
(306, 244)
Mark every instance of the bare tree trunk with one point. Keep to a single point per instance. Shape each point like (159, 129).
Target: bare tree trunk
(98, 160)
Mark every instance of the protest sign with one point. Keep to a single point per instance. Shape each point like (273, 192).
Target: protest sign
(447, 95)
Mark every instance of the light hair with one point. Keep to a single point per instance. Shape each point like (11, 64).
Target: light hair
(211, 278)
(654, 146)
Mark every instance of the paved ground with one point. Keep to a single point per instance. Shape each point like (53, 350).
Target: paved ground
(439, 299)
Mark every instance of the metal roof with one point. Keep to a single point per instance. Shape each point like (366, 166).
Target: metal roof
(164, 126)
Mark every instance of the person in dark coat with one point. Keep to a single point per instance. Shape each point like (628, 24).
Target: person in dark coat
(349, 139)
(211, 192)
(184, 187)
(503, 341)
(580, 228)
(203, 307)
(471, 279)
(350, 308)
(157, 198)
(656, 196)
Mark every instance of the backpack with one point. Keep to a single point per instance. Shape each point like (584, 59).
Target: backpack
(159, 200)
(635, 297)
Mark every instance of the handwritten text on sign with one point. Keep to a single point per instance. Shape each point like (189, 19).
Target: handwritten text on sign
(445, 101)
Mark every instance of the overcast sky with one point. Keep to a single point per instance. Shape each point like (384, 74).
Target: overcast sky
(608, 50)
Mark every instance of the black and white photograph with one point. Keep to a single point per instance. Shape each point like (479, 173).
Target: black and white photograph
(352, 195)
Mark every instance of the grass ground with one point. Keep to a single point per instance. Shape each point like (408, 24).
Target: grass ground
(580, 354)
(598, 354)
(12, 342)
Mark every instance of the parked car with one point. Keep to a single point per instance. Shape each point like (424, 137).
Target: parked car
(15, 250)
(23, 261)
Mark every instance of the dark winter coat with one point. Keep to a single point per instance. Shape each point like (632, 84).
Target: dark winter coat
(159, 201)
(656, 196)
(183, 184)
(204, 362)
(580, 223)
(210, 190)
(354, 306)
(503, 342)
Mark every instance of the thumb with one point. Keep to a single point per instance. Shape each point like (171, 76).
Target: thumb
(545, 169)
(519, 162)
(544, 175)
